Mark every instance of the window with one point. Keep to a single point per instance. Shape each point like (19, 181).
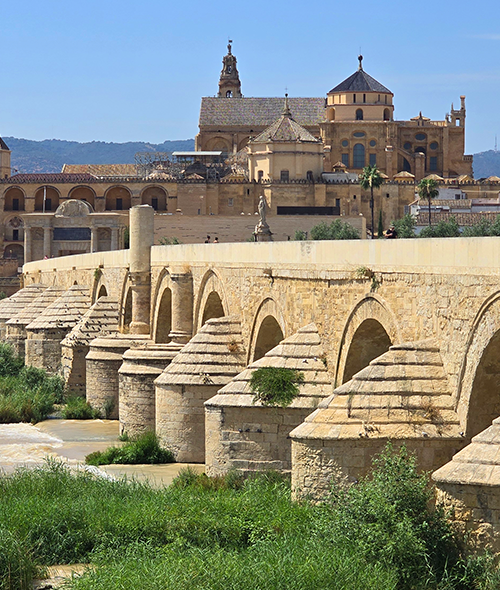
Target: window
(229, 69)
(154, 203)
(230, 202)
(15, 235)
(345, 143)
(229, 94)
(345, 160)
(353, 98)
(337, 203)
(373, 159)
(407, 145)
(359, 114)
(15, 204)
(433, 163)
(359, 134)
(434, 145)
(387, 115)
(48, 204)
(387, 195)
(373, 143)
(119, 204)
(386, 99)
(260, 175)
(457, 197)
(420, 137)
(378, 99)
(364, 97)
(354, 197)
(358, 154)
(309, 175)
(285, 176)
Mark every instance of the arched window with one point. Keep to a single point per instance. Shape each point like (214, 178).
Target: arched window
(387, 115)
(229, 94)
(359, 114)
(358, 154)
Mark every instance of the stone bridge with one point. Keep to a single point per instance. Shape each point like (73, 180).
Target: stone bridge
(397, 340)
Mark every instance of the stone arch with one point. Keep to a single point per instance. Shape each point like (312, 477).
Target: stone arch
(14, 199)
(52, 196)
(118, 198)
(14, 251)
(478, 392)
(103, 292)
(267, 331)
(218, 144)
(211, 298)
(243, 143)
(162, 308)
(83, 193)
(98, 285)
(126, 312)
(369, 331)
(156, 196)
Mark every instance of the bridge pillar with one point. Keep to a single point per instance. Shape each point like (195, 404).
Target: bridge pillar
(141, 240)
(182, 306)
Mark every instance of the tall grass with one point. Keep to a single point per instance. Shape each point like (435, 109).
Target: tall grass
(144, 449)
(229, 533)
(27, 394)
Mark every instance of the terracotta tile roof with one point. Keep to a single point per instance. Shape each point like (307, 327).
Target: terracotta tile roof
(100, 169)
(360, 81)
(55, 178)
(463, 219)
(259, 111)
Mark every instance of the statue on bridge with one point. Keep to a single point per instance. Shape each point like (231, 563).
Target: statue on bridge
(262, 232)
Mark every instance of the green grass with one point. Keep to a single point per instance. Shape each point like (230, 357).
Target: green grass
(77, 408)
(27, 394)
(229, 532)
(144, 449)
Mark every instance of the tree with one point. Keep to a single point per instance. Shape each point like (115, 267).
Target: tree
(370, 178)
(405, 227)
(444, 229)
(337, 230)
(380, 232)
(428, 189)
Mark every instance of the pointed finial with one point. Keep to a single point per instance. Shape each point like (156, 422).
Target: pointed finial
(360, 58)
(286, 108)
(229, 41)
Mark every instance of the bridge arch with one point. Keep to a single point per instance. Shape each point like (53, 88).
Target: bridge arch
(369, 331)
(99, 286)
(125, 306)
(162, 309)
(478, 393)
(268, 330)
(211, 301)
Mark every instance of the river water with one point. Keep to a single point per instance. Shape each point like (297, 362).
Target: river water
(25, 445)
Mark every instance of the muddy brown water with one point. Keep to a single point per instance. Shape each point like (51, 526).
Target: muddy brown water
(27, 445)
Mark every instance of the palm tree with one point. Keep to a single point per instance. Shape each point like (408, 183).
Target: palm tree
(370, 178)
(428, 189)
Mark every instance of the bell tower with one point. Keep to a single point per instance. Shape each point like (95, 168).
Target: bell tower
(229, 82)
(4, 159)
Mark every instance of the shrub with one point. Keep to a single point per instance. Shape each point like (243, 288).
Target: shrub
(444, 229)
(77, 408)
(337, 230)
(405, 227)
(275, 386)
(169, 241)
(484, 227)
(10, 364)
(144, 449)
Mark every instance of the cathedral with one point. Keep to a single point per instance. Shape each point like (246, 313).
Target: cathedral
(354, 123)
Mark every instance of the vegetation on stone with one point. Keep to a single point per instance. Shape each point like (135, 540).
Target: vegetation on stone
(77, 408)
(275, 386)
(143, 449)
(231, 532)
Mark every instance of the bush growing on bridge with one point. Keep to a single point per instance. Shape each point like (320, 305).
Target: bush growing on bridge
(144, 449)
(275, 386)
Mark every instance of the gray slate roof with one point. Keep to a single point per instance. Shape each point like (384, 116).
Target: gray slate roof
(360, 81)
(3, 145)
(285, 129)
(259, 111)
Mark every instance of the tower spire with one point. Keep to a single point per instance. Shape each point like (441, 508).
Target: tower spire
(286, 108)
(229, 81)
(360, 58)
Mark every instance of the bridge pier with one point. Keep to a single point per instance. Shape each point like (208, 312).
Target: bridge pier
(182, 306)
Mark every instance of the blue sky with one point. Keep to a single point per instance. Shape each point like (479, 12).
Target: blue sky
(129, 71)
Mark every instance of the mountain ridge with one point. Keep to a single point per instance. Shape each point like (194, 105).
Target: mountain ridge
(49, 155)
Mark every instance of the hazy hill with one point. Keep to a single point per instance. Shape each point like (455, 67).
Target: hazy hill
(487, 164)
(50, 155)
